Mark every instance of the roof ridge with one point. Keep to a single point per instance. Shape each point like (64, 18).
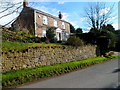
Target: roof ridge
(47, 14)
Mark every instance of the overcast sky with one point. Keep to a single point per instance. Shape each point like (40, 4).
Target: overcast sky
(73, 11)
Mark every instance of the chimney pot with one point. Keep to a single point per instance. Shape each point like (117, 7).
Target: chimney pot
(60, 15)
(25, 3)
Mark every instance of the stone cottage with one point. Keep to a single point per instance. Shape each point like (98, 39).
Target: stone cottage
(36, 22)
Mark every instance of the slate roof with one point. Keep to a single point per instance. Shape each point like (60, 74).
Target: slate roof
(47, 14)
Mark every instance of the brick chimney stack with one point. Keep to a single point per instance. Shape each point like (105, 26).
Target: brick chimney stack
(60, 15)
(25, 3)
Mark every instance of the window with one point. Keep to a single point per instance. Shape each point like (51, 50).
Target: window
(44, 33)
(14, 24)
(45, 20)
(63, 25)
(39, 16)
(55, 23)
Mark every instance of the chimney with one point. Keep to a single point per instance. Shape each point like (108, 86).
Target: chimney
(60, 15)
(25, 3)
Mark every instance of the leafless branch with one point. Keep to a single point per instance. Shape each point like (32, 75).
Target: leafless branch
(11, 12)
(9, 7)
(96, 18)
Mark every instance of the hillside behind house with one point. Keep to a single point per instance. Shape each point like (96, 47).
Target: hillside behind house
(12, 36)
(18, 41)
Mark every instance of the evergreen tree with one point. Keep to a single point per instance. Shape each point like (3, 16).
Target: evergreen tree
(72, 29)
(51, 35)
(79, 31)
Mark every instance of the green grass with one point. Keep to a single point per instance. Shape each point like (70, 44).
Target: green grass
(18, 46)
(14, 41)
(13, 78)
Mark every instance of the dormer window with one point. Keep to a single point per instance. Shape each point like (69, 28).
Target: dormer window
(63, 25)
(45, 21)
(55, 23)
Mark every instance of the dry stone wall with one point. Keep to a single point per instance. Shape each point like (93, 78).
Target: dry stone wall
(40, 56)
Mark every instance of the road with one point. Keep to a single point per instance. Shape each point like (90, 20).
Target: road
(103, 75)
(117, 53)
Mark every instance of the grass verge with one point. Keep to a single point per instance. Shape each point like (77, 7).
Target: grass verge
(18, 77)
(19, 46)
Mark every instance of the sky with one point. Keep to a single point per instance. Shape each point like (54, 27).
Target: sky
(73, 11)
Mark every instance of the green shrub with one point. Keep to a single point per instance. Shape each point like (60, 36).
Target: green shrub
(50, 34)
(43, 39)
(47, 41)
(23, 33)
(74, 41)
(36, 39)
(29, 40)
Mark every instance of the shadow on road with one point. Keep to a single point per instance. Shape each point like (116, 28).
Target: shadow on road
(116, 70)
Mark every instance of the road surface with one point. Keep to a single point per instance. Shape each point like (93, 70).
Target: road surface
(117, 53)
(103, 75)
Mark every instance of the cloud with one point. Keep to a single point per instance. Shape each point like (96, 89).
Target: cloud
(115, 26)
(86, 30)
(104, 11)
(42, 8)
(83, 19)
(16, 1)
(65, 16)
(55, 10)
(110, 19)
(7, 19)
(74, 24)
(61, 2)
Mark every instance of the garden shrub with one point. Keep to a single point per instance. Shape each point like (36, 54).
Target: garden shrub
(50, 34)
(74, 41)
(29, 40)
(43, 39)
(47, 41)
(36, 39)
(23, 33)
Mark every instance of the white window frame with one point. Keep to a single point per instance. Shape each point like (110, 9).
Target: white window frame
(63, 25)
(45, 20)
(55, 23)
(39, 16)
(44, 33)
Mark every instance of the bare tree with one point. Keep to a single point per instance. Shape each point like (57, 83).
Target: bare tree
(98, 14)
(8, 7)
